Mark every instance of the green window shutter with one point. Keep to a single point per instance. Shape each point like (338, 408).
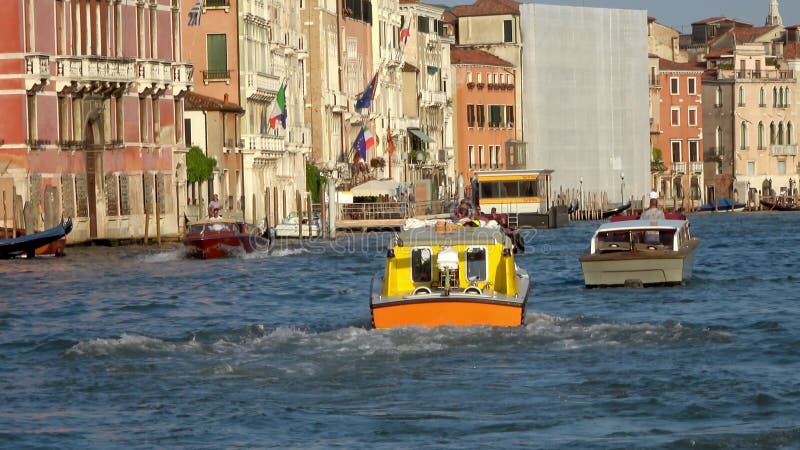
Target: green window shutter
(217, 47)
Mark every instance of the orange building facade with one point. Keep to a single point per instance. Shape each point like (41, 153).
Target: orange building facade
(92, 96)
(680, 141)
(485, 120)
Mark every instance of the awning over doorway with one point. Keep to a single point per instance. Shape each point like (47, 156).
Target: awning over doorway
(425, 138)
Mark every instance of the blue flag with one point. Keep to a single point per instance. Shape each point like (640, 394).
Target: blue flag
(360, 145)
(364, 99)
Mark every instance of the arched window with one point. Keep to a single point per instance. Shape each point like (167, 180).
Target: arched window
(743, 135)
(789, 134)
(718, 100)
(780, 133)
(772, 133)
(780, 97)
(762, 98)
(760, 135)
(774, 97)
(718, 139)
(694, 191)
(678, 187)
(786, 97)
(741, 95)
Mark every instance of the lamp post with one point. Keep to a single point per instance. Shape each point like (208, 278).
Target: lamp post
(621, 188)
(330, 166)
(580, 195)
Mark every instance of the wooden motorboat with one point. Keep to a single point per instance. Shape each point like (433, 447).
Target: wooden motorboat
(215, 238)
(51, 241)
(639, 253)
(295, 227)
(458, 276)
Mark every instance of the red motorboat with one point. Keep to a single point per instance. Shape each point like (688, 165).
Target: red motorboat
(216, 238)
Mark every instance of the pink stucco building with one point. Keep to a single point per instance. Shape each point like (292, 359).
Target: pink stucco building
(92, 96)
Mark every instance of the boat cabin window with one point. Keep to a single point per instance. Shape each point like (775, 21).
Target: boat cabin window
(421, 265)
(476, 264)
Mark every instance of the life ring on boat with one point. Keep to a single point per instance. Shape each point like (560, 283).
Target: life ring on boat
(473, 290)
(422, 290)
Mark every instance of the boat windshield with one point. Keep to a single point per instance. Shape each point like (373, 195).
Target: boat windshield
(653, 237)
(218, 227)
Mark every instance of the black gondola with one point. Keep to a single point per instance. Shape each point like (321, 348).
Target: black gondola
(27, 245)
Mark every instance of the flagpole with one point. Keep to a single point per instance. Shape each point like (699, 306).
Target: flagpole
(388, 143)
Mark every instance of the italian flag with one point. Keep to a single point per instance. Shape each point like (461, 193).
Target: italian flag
(279, 110)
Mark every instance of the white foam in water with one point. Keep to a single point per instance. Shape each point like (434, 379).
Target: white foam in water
(170, 255)
(127, 343)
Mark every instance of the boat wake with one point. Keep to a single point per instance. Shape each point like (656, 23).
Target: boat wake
(541, 332)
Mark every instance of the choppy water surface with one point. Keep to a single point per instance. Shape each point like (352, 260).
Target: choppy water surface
(132, 347)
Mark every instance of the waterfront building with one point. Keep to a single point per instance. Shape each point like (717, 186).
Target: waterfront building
(664, 42)
(679, 144)
(494, 26)
(250, 49)
(213, 108)
(751, 118)
(93, 95)
(427, 99)
(326, 101)
(387, 57)
(485, 111)
(586, 109)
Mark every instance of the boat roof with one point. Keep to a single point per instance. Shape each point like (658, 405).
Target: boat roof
(630, 225)
(459, 236)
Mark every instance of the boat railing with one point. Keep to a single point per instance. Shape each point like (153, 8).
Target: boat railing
(392, 210)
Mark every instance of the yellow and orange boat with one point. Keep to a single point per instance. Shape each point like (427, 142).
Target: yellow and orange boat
(453, 276)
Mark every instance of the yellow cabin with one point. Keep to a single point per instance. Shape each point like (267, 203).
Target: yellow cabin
(462, 276)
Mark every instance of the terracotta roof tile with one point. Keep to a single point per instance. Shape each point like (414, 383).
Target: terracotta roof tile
(749, 35)
(709, 20)
(487, 8)
(199, 102)
(467, 55)
(667, 65)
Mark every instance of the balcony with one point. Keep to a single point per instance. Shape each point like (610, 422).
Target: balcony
(783, 150)
(182, 78)
(211, 76)
(697, 167)
(270, 146)
(37, 71)
(262, 86)
(776, 75)
(153, 76)
(336, 100)
(433, 98)
(678, 167)
(392, 57)
(299, 136)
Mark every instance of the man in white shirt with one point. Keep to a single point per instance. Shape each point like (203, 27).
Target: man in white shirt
(653, 212)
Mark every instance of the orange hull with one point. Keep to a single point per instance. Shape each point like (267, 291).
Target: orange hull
(447, 313)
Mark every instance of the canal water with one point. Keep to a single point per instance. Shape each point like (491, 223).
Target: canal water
(135, 347)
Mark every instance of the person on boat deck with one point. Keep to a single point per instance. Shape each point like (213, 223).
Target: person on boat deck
(215, 215)
(214, 204)
(653, 212)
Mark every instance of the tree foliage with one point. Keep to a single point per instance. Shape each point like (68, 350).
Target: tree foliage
(313, 182)
(656, 161)
(199, 167)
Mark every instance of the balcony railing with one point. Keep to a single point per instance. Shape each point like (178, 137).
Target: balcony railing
(783, 150)
(262, 85)
(217, 3)
(727, 74)
(431, 98)
(697, 166)
(216, 75)
(679, 167)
